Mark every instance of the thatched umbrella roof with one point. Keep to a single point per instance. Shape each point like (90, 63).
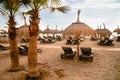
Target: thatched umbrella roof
(79, 28)
(3, 31)
(61, 31)
(56, 31)
(117, 30)
(106, 31)
(98, 30)
(47, 31)
(103, 32)
(40, 31)
(23, 31)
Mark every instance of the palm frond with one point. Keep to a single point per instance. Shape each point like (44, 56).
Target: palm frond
(1, 1)
(29, 12)
(56, 2)
(5, 6)
(43, 3)
(25, 3)
(15, 4)
(2, 12)
(52, 9)
(62, 9)
(10, 4)
(40, 4)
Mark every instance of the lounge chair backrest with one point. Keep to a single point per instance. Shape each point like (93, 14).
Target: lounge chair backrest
(67, 50)
(102, 41)
(25, 47)
(86, 50)
(68, 40)
(118, 37)
(110, 41)
(1, 46)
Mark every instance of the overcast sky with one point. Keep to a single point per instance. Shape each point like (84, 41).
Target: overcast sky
(93, 13)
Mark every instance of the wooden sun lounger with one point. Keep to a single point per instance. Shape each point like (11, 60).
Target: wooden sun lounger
(68, 53)
(87, 55)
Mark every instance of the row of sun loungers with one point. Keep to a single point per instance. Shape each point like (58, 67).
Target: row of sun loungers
(86, 53)
(47, 40)
(3, 47)
(93, 39)
(24, 40)
(22, 49)
(74, 41)
(118, 39)
(108, 42)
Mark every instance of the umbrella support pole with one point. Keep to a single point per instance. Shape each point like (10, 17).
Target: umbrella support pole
(78, 48)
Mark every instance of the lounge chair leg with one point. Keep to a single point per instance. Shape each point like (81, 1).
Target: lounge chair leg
(62, 56)
(71, 57)
(91, 59)
(80, 58)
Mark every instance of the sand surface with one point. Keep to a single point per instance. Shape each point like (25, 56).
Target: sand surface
(105, 65)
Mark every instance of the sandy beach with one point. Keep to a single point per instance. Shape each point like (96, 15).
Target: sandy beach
(105, 65)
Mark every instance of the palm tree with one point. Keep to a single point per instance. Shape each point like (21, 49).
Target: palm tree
(36, 6)
(10, 9)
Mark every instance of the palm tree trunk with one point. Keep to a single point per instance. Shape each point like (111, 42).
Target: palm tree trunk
(32, 57)
(33, 67)
(14, 54)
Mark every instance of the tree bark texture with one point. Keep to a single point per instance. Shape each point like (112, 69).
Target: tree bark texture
(32, 57)
(33, 67)
(14, 56)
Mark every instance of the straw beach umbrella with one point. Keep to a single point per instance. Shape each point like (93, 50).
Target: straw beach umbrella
(40, 31)
(103, 32)
(117, 30)
(61, 31)
(56, 31)
(23, 31)
(79, 28)
(3, 31)
(98, 30)
(47, 31)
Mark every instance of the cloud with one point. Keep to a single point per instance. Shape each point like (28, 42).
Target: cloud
(93, 13)
(112, 4)
(102, 4)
